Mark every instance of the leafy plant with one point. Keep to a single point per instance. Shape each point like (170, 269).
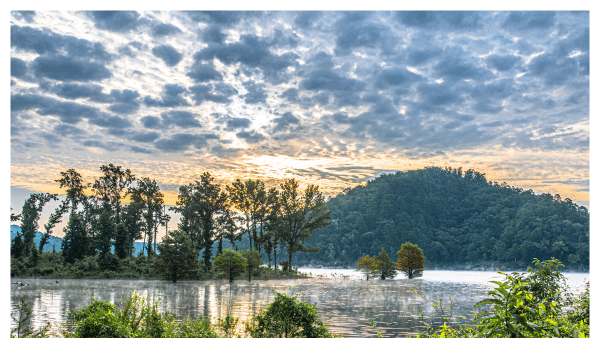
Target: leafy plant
(22, 316)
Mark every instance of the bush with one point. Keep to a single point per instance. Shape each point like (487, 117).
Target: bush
(287, 317)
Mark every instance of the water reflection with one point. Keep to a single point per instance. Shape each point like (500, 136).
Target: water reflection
(347, 304)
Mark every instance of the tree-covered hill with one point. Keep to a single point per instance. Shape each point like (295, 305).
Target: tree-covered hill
(456, 217)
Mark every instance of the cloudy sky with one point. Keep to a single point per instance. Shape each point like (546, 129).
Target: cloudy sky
(330, 98)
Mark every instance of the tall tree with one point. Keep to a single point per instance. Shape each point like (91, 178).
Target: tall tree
(250, 199)
(232, 263)
(121, 241)
(411, 260)
(367, 266)
(146, 194)
(133, 223)
(200, 203)
(54, 219)
(109, 188)
(300, 216)
(72, 180)
(30, 217)
(106, 233)
(75, 242)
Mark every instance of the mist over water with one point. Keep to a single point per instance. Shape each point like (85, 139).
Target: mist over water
(345, 301)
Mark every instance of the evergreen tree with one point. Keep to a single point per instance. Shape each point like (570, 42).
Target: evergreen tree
(104, 241)
(30, 216)
(109, 187)
(121, 241)
(75, 242)
(148, 198)
(16, 246)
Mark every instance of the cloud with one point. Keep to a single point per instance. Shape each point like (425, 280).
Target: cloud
(214, 93)
(394, 76)
(18, 68)
(49, 43)
(354, 31)
(25, 15)
(116, 21)
(213, 34)
(454, 67)
(447, 20)
(222, 18)
(203, 72)
(109, 121)
(182, 119)
(237, 123)
(306, 19)
(151, 122)
(68, 69)
(144, 137)
(503, 63)
(256, 93)
(284, 121)
(172, 97)
(251, 136)
(165, 29)
(168, 54)
(75, 91)
(182, 141)
(520, 21)
(252, 52)
(67, 112)
(417, 57)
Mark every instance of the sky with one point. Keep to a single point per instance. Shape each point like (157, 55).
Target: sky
(332, 98)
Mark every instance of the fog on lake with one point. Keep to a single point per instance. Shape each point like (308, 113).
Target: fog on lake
(342, 298)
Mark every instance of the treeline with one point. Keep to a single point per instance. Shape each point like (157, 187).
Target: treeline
(456, 217)
(100, 225)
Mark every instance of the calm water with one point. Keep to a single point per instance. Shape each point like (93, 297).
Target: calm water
(343, 300)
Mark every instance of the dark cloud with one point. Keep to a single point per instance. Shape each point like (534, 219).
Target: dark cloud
(453, 67)
(256, 93)
(168, 54)
(124, 102)
(213, 34)
(127, 49)
(25, 15)
(503, 62)
(306, 19)
(116, 21)
(67, 112)
(238, 123)
(553, 70)
(181, 142)
(439, 94)
(144, 137)
(252, 52)
(109, 121)
(68, 69)
(172, 97)
(284, 121)
(354, 31)
(203, 72)
(141, 150)
(74, 91)
(222, 18)
(46, 42)
(417, 57)
(67, 129)
(529, 20)
(447, 20)
(18, 68)
(151, 122)
(165, 29)
(182, 119)
(391, 77)
(346, 91)
(215, 93)
(250, 137)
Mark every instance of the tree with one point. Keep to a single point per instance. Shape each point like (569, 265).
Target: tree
(250, 198)
(104, 240)
(300, 216)
(148, 199)
(54, 219)
(385, 267)
(75, 242)
(286, 317)
(253, 261)
(232, 263)
(30, 216)
(178, 258)
(108, 187)
(72, 180)
(367, 266)
(200, 204)
(411, 260)
(121, 241)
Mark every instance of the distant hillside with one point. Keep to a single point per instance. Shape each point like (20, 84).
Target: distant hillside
(56, 242)
(455, 217)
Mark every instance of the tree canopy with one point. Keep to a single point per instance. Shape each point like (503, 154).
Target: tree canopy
(411, 260)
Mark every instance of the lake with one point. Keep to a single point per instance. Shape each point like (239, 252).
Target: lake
(342, 298)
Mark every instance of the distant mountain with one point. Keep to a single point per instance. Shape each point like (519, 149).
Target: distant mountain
(456, 217)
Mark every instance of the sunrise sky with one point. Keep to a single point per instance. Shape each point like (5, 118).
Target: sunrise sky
(330, 98)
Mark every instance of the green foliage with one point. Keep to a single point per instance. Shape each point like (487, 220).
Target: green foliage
(411, 260)
(453, 215)
(228, 325)
(253, 261)
(526, 305)
(367, 266)
(178, 257)
(231, 263)
(385, 267)
(286, 317)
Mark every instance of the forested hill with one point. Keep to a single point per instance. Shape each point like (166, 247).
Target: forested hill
(456, 218)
